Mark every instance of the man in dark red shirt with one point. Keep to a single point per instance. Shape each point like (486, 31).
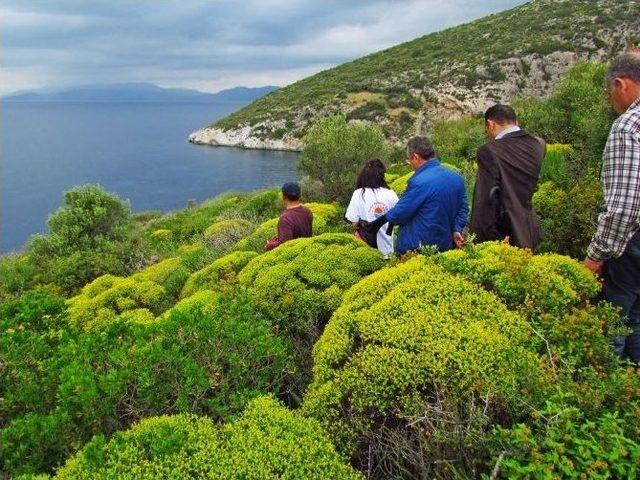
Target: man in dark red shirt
(296, 221)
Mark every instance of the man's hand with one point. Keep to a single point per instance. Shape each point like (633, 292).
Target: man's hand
(458, 240)
(373, 226)
(595, 266)
(272, 243)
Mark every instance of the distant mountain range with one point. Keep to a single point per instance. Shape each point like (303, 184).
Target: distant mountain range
(138, 92)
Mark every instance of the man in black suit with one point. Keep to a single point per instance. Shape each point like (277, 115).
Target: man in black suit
(508, 171)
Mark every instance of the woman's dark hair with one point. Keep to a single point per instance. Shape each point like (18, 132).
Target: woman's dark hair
(372, 175)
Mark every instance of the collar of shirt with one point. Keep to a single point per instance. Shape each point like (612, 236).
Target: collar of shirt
(511, 129)
(428, 164)
(635, 105)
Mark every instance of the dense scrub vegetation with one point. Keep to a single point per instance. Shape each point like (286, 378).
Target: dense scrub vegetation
(148, 345)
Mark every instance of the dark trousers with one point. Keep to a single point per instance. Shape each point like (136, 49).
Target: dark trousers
(622, 288)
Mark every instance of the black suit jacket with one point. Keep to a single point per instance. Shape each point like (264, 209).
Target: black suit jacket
(512, 164)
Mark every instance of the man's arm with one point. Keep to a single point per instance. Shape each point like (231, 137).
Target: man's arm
(463, 213)
(285, 233)
(484, 214)
(621, 181)
(407, 205)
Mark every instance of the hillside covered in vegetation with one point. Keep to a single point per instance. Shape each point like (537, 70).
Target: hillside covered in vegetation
(145, 346)
(460, 70)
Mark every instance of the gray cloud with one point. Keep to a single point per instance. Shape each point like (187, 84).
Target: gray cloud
(207, 45)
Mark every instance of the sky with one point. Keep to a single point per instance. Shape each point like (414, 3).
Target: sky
(206, 45)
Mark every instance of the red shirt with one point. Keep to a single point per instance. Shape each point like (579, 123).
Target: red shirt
(296, 222)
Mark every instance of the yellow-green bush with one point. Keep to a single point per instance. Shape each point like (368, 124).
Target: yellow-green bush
(223, 234)
(399, 183)
(221, 269)
(108, 296)
(302, 281)
(323, 214)
(568, 215)
(409, 335)
(267, 442)
(170, 273)
(547, 283)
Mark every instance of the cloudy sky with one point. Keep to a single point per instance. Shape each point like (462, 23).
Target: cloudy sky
(207, 45)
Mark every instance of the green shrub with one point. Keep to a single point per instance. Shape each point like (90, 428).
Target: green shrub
(568, 217)
(171, 273)
(562, 443)
(577, 113)
(87, 216)
(335, 151)
(399, 184)
(224, 268)
(301, 282)
(104, 299)
(268, 441)
(458, 138)
(535, 284)
(207, 355)
(16, 273)
(224, 234)
(555, 167)
(92, 234)
(406, 345)
(31, 327)
(371, 111)
(263, 204)
(256, 241)
(186, 224)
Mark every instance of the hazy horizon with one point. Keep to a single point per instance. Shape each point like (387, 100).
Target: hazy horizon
(206, 46)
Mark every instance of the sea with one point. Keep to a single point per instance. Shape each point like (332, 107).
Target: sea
(138, 151)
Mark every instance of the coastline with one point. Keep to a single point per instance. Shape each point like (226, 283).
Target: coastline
(242, 138)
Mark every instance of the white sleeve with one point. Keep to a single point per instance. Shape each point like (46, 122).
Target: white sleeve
(353, 214)
(393, 199)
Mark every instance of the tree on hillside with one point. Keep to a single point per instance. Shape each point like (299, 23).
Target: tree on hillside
(335, 151)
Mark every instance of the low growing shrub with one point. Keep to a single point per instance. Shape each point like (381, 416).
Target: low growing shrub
(224, 268)
(301, 282)
(413, 346)
(207, 355)
(562, 443)
(268, 441)
(223, 234)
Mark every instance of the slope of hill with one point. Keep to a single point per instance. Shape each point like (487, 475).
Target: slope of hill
(444, 74)
(139, 92)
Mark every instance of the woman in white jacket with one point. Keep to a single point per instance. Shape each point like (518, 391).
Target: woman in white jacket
(372, 199)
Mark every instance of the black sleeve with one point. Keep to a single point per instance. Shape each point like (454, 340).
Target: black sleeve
(485, 211)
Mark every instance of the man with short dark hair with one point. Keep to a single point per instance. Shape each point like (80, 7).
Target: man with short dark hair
(296, 221)
(433, 209)
(508, 170)
(615, 248)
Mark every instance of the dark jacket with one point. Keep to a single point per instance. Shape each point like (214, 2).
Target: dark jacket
(512, 164)
(433, 206)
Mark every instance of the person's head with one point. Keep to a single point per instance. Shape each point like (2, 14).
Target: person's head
(291, 193)
(419, 151)
(623, 80)
(372, 175)
(497, 118)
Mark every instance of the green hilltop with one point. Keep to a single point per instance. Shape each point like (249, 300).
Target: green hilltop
(460, 70)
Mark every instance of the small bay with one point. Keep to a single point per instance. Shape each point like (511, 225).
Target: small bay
(137, 150)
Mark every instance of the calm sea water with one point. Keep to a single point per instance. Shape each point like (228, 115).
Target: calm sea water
(138, 151)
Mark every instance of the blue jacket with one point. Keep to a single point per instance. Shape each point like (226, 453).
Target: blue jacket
(433, 206)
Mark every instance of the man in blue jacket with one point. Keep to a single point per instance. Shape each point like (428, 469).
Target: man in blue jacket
(433, 210)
